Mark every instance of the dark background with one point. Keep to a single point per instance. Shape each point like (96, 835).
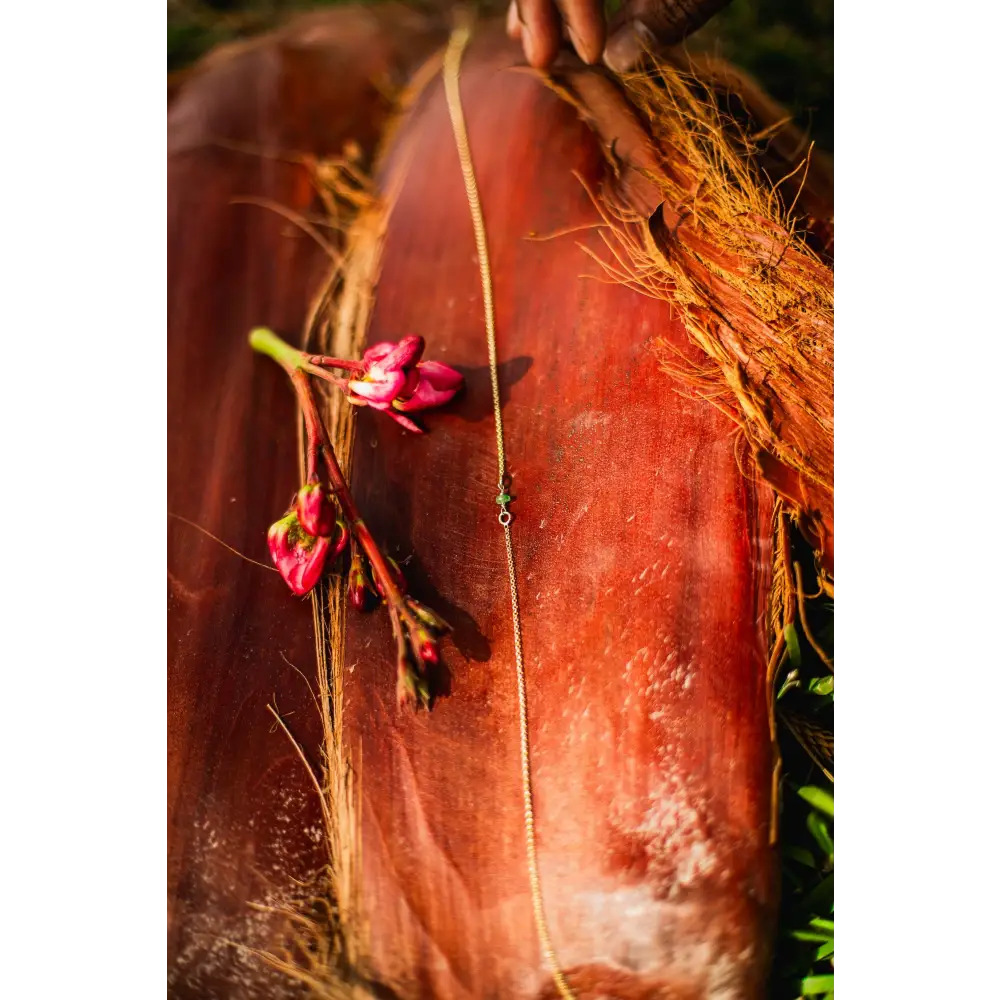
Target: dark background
(786, 44)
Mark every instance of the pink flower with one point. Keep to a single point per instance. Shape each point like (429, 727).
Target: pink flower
(387, 366)
(395, 380)
(315, 508)
(299, 556)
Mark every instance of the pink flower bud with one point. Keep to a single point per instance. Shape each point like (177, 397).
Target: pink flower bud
(299, 556)
(411, 689)
(314, 506)
(435, 622)
(429, 651)
(357, 585)
(338, 540)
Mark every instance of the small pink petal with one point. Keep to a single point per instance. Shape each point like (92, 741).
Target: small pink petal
(385, 389)
(440, 376)
(308, 567)
(405, 422)
(377, 352)
(338, 540)
(437, 385)
(403, 355)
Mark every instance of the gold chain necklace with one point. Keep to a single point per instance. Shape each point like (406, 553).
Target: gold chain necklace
(452, 61)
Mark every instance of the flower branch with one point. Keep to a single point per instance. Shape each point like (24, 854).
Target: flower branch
(310, 537)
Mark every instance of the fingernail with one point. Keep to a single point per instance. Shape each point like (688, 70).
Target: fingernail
(513, 21)
(589, 57)
(626, 46)
(530, 47)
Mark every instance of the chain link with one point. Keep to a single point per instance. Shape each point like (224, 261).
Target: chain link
(452, 61)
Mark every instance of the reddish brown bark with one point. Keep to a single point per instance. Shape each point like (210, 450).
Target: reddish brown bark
(782, 358)
(643, 559)
(241, 815)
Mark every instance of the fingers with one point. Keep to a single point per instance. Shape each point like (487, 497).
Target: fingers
(540, 30)
(641, 26)
(626, 46)
(645, 25)
(539, 23)
(513, 21)
(584, 21)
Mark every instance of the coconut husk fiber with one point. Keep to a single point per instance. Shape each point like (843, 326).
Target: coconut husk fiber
(692, 222)
(644, 537)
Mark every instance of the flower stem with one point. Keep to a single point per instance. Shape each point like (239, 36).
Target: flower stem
(318, 442)
(322, 361)
(267, 342)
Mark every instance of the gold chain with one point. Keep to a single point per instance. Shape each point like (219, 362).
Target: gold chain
(452, 60)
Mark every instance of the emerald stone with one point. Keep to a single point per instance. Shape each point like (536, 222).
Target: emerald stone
(503, 498)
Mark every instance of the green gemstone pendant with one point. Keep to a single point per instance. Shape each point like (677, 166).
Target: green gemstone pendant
(503, 498)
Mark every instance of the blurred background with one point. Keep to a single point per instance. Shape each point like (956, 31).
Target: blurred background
(786, 44)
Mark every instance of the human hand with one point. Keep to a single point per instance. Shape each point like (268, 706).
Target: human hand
(639, 26)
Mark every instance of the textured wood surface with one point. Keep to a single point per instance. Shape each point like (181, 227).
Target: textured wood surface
(643, 560)
(241, 817)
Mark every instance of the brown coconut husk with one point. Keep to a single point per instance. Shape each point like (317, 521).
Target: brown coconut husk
(692, 221)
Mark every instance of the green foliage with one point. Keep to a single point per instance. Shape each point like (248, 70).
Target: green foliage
(818, 798)
(788, 47)
(792, 642)
(196, 26)
(803, 965)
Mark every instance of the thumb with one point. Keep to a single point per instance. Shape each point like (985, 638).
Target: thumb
(648, 25)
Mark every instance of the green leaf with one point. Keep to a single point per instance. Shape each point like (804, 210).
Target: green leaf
(812, 985)
(791, 681)
(824, 950)
(819, 900)
(792, 642)
(820, 924)
(821, 685)
(820, 831)
(801, 855)
(810, 936)
(818, 798)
